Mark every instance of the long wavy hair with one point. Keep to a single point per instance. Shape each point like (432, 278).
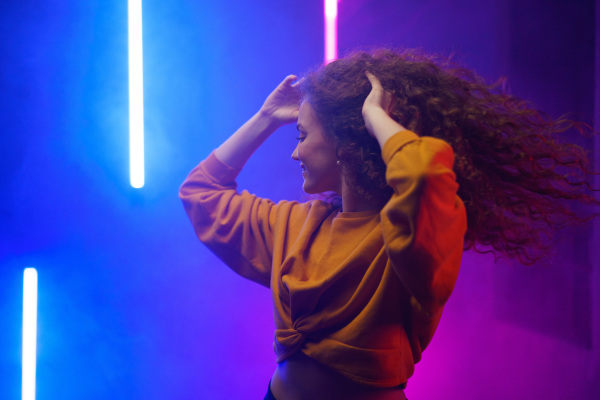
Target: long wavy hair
(515, 177)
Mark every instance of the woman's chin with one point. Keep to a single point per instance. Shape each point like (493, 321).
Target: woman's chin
(309, 189)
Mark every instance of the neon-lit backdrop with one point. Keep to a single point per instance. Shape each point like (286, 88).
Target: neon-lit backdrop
(132, 306)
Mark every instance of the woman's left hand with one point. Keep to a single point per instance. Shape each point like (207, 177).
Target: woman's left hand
(378, 99)
(376, 112)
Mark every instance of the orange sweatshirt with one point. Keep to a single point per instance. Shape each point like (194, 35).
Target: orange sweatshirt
(360, 292)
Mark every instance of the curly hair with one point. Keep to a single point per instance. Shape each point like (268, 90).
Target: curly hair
(515, 178)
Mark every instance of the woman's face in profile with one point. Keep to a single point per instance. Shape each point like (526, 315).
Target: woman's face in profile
(317, 155)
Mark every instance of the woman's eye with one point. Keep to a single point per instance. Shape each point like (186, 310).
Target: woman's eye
(300, 139)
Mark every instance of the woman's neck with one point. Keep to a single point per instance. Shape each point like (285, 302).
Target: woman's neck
(352, 202)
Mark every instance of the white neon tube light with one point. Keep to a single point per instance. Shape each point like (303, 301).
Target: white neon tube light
(30, 280)
(331, 11)
(136, 95)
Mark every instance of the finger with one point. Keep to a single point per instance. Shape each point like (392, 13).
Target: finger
(298, 82)
(289, 79)
(373, 79)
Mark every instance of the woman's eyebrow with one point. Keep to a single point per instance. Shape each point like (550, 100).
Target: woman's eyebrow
(299, 127)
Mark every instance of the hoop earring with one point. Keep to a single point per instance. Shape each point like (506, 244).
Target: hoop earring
(339, 163)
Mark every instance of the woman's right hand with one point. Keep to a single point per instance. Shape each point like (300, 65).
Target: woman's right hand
(280, 108)
(283, 103)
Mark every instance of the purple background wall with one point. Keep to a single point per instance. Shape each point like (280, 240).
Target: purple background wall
(132, 306)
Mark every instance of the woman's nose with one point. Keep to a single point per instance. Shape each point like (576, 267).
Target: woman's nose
(295, 154)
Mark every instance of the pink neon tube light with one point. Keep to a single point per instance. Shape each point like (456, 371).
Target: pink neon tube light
(331, 10)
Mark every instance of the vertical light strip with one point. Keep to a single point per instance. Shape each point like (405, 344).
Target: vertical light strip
(331, 11)
(30, 283)
(136, 95)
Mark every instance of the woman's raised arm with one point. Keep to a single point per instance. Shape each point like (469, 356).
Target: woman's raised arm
(280, 108)
(376, 114)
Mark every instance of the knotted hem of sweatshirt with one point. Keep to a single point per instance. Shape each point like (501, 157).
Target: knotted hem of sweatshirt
(287, 342)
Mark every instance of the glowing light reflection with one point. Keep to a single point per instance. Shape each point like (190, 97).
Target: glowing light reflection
(30, 283)
(136, 95)
(331, 11)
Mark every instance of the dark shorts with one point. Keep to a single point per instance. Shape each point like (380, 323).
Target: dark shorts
(269, 395)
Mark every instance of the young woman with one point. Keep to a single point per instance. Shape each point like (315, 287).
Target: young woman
(424, 160)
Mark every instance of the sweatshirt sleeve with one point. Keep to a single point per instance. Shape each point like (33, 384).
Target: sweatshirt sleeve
(423, 225)
(237, 227)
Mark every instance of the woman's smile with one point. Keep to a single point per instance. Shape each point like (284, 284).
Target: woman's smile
(317, 154)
